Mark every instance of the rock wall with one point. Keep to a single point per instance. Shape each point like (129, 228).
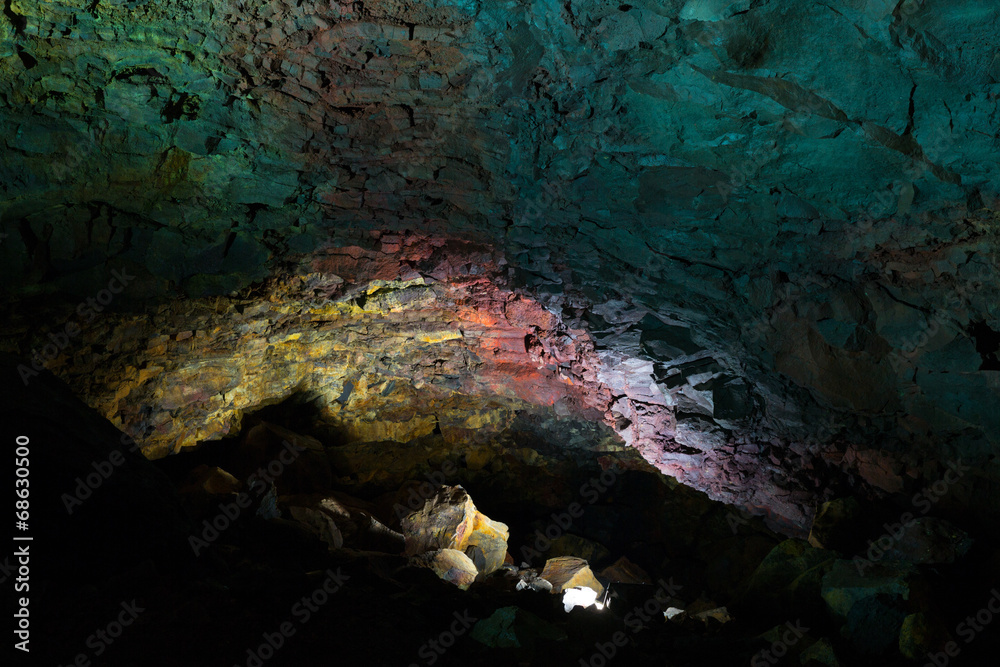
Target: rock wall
(413, 337)
(775, 221)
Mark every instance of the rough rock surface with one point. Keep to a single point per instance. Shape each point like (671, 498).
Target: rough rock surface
(567, 572)
(209, 606)
(512, 627)
(451, 565)
(776, 220)
(450, 521)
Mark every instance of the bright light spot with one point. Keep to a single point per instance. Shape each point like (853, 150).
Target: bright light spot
(671, 612)
(582, 596)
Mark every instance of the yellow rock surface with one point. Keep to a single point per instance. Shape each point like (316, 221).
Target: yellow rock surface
(491, 539)
(450, 520)
(449, 564)
(569, 572)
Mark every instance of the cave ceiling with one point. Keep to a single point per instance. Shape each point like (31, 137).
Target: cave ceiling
(755, 240)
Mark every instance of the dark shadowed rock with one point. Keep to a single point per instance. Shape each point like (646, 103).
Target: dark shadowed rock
(93, 494)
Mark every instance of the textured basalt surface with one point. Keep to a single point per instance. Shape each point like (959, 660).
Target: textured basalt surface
(758, 239)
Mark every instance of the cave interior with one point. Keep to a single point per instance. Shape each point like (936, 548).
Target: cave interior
(521, 332)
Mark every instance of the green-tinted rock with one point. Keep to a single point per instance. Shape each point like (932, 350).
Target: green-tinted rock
(873, 624)
(844, 585)
(920, 634)
(790, 575)
(820, 654)
(512, 627)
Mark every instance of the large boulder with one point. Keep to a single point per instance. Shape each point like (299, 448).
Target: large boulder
(790, 575)
(206, 487)
(568, 572)
(920, 634)
(845, 584)
(624, 571)
(449, 520)
(343, 521)
(513, 627)
(928, 540)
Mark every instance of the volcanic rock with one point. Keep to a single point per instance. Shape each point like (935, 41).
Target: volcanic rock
(450, 520)
(569, 572)
(449, 564)
(513, 627)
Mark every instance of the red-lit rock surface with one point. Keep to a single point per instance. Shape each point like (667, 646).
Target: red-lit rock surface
(415, 336)
(410, 338)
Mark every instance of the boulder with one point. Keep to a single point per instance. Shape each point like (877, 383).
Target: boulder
(211, 480)
(513, 627)
(281, 543)
(929, 540)
(873, 623)
(569, 572)
(920, 634)
(487, 543)
(321, 524)
(819, 654)
(790, 575)
(205, 488)
(529, 579)
(298, 463)
(718, 615)
(449, 564)
(624, 571)
(444, 522)
(844, 586)
(450, 520)
(341, 520)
